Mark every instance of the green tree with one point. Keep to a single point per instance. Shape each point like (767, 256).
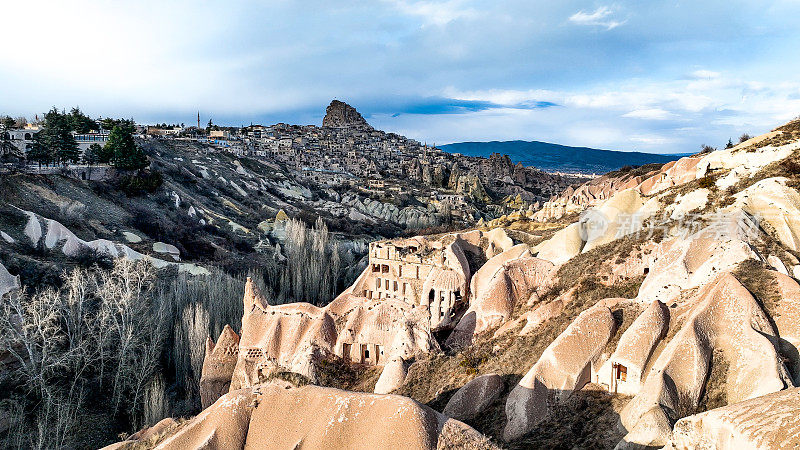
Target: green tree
(80, 122)
(93, 154)
(729, 144)
(57, 138)
(125, 154)
(7, 122)
(39, 153)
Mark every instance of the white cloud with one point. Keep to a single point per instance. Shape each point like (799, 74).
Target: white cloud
(705, 74)
(650, 114)
(437, 13)
(599, 17)
(640, 114)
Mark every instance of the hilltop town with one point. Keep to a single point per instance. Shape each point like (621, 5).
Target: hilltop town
(348, 156)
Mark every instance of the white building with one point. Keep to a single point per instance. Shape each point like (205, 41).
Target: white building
(22, 138)
(93, 137)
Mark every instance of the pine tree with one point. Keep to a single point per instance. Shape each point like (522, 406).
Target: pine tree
(93, 154)
(122, 149)
(57, 139)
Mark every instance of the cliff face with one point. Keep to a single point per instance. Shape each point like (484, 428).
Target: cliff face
(341, 115)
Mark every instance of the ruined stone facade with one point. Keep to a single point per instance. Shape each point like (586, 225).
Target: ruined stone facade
(430, 274)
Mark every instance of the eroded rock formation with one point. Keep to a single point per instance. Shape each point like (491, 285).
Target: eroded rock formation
(280, 417)
(341, 115)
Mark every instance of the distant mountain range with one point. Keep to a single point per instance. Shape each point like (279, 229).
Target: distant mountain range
(559, 158)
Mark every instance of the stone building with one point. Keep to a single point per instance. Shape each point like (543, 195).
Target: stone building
(419, 272)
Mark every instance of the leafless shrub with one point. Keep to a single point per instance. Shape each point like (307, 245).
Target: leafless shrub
(100, 330)
(190, 338)
(156, 404)
(72, 213)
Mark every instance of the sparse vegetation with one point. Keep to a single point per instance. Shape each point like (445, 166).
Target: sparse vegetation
(707, 182)
(715, 392)
(102, 345)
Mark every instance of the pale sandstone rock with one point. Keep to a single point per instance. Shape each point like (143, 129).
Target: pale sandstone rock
(296, 336)
(589, 194)
(634, 350)
(776, 204)
(33, 228)
(671, 174)
(59, 235)
(725, 318)
(744, 163)
(612, 219)
(690, 201)
(384, 328)
(771, 421)
(218, 366)
(290, 336)
(317, 417)
(171, 250)
(490, 268)
(392, 377)
(494, 304)
(564, 367)
(474, 397)
(146, 433)
(542, 314)
(777, 264)
(6, 237)
(8, 282)
(787, 321)
(564, 244)
(133, 238)
(685, 263)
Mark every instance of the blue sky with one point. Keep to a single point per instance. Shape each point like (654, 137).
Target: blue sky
(628, 75)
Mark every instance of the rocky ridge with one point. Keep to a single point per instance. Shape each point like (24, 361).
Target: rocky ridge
(341, 115)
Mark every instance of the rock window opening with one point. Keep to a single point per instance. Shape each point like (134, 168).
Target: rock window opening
(346, 349)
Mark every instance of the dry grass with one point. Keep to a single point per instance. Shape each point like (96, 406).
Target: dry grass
(156, 439)
(453, 438)
(757, 278)
(588, 420)
(337, 373)
(788, 167)
(714, 392)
